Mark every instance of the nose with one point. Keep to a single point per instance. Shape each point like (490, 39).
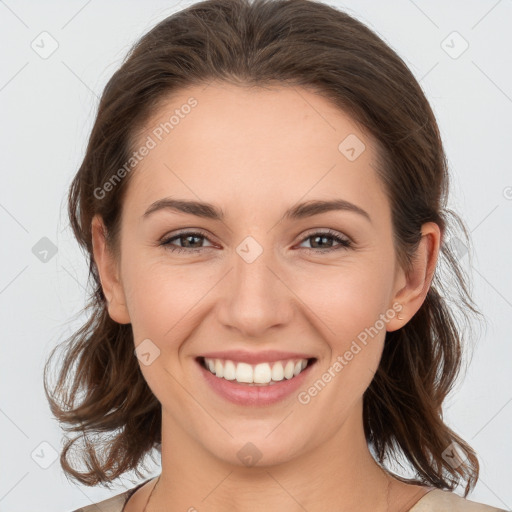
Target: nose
(255, 295)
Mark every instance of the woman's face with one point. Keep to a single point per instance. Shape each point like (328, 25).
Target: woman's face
(257, 281)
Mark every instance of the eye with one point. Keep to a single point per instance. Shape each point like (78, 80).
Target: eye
(188, 237)
(192, 240)
(320, 238)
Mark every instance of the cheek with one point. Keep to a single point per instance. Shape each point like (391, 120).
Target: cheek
(348, 303)
(346, 300)
(152, 299)
(162, 299)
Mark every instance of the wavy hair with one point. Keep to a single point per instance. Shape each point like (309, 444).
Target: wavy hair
(100, 395)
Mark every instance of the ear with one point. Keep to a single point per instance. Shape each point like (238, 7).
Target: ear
(109, 274)
(413, 287)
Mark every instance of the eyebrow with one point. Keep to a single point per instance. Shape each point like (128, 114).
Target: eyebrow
(210, 211)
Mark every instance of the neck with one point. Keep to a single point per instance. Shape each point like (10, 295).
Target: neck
(339, 474)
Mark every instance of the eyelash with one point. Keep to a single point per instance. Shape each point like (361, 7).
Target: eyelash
(345, 243)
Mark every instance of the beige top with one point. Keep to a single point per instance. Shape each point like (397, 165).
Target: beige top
(436, 500)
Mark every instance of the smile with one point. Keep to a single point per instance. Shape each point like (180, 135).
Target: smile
(261, 374)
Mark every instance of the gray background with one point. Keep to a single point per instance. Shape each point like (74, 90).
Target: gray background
(48, 106)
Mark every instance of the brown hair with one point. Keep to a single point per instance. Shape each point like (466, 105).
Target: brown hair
(301, 43)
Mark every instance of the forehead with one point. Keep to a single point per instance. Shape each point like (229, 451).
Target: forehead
(225, 143)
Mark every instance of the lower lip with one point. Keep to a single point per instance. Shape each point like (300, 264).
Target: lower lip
(243, 394)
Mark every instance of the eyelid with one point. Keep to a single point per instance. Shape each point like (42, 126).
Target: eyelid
(343, 241)
(327, 231)
(309, 232)
(186, 231)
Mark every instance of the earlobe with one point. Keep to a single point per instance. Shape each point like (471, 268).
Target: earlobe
(108, 272)
(419, 278)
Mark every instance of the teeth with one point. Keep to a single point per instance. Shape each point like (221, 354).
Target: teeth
(244, 372)
(229, 370)
(219, 368)
(288, 369)
(262, 373)
(278, 372)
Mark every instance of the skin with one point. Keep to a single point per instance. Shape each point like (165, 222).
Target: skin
(254, 153)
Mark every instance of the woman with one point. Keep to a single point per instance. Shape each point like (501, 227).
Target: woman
(263, 203)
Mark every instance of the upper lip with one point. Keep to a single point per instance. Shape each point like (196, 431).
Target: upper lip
(263, 356)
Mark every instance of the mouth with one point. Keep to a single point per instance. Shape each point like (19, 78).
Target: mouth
(263, 374)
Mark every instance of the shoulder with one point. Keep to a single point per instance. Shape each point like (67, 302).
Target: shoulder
(439, 500)
(114, 504)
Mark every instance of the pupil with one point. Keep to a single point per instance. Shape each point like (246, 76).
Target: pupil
(190, 237)
(322, 237)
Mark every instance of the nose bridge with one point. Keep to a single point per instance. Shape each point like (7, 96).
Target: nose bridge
(252, 262)
(256, 298)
